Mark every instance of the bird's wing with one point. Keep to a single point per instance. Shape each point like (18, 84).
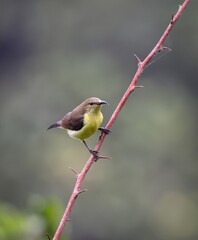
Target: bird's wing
(73, 121)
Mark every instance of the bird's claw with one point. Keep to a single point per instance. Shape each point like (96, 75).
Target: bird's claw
(95, 154)
(104, 130)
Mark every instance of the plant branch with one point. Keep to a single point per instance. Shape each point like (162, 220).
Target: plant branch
(141, 66)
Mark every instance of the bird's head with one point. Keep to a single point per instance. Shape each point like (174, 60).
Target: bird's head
(93, 104)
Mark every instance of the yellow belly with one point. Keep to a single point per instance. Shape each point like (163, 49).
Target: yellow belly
(91, 123)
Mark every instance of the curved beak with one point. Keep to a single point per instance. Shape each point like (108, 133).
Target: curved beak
(103, 102)
(54, 125)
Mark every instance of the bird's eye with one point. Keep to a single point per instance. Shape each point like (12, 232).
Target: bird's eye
(91, 103)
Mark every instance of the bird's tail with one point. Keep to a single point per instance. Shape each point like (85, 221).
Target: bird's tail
(54, 125)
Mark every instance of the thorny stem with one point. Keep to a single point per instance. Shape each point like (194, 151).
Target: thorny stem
(141, 66)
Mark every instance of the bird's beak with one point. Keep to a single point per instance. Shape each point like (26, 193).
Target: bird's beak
(55, 125)
(103, 102)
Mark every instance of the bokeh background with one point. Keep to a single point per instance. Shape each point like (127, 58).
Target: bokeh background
(55, 54)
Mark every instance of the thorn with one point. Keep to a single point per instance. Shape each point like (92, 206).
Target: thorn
(74, 171)
(138, 59)
(162, 48)
(82, 191)
(79, 192)
(138, 86)
(166, 48)
(105, 157)
(102, 157)
(162, 53)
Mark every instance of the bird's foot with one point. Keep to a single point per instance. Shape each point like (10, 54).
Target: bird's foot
(95, 154)
(103, 130)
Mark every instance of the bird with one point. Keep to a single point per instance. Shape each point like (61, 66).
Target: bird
(83, 121)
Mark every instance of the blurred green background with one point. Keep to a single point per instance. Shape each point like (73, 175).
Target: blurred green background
(55, 54)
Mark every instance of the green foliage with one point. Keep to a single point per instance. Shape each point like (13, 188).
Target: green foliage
(34, 223)
(50, 210)
(12, 222)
